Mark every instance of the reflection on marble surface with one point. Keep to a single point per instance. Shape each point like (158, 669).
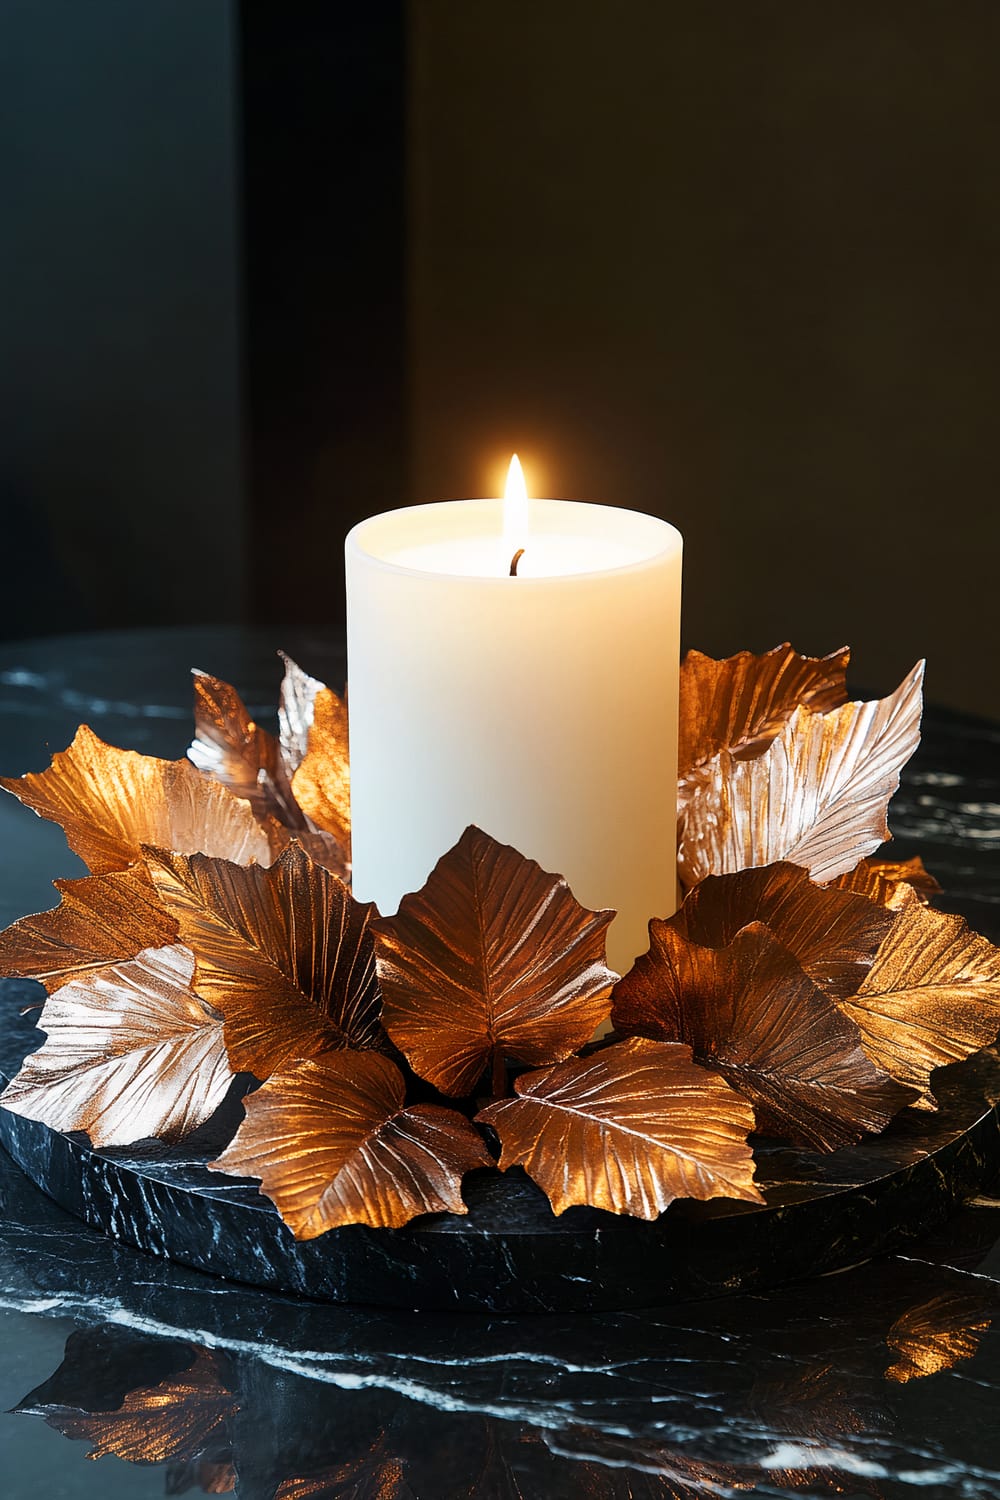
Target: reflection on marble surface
(936, 1335)
(881, 1381)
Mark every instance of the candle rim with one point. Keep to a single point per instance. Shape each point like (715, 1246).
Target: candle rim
(673, 543)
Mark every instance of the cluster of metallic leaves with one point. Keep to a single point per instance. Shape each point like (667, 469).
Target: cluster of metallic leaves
(801, 991)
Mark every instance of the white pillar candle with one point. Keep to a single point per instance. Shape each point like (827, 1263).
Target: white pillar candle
(541, 707)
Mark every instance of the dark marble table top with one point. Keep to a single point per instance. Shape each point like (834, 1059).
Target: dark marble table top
(880, 1381)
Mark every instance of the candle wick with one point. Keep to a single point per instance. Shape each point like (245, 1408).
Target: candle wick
(515, 560)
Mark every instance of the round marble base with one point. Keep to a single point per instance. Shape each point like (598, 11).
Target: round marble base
(511, 1254)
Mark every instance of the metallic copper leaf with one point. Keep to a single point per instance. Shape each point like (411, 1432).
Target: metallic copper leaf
(295, 713)
(913, 872)
(180, 1418)
(333, 1143)
(750, 1011)
(890, 882)
(817, 796)
(739, 704)
(833, 934)
(931, 997)
(936, 1335)
(311, 715)
(493, 958)
(110, 802)
(131, 1052)
(628, 1129)
(255, 765)
(234, 749)
(284, 954)
(327, 851)
(101, 920)
(322, 783)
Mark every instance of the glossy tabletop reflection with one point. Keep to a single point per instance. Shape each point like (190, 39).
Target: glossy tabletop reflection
(880, 1381)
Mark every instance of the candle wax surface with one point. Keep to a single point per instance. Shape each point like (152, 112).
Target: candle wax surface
(541, 708)
(469, 539)
(545, 556)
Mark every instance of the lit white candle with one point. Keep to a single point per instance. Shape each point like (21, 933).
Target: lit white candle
(542, 707)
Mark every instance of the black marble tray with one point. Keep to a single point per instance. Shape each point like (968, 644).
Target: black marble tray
(511, 1254)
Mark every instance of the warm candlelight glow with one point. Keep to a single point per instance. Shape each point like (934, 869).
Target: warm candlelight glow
(515, 509)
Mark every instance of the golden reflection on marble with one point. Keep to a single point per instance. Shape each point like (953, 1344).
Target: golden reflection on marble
(936, 1335)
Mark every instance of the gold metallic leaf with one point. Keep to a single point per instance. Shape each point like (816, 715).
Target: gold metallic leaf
(333, 1143)
(110, 802)
(232, 748)
(284, 954)
(492, 959)
(750, 1011)
(739, 704)
(832, 933)
(936, 1335)
(131, 1052)
(177, 1419)
(101, 920)
(931, 997)
(817, 796)
(890, 882)
(322, 783)
(628, 1129)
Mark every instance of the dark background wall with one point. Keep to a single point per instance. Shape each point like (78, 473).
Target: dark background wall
(736, 265)
(268, 268)
(121, 489)
(323, 162)
(202, 262)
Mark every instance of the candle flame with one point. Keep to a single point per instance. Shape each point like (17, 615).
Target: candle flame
(515, 508)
